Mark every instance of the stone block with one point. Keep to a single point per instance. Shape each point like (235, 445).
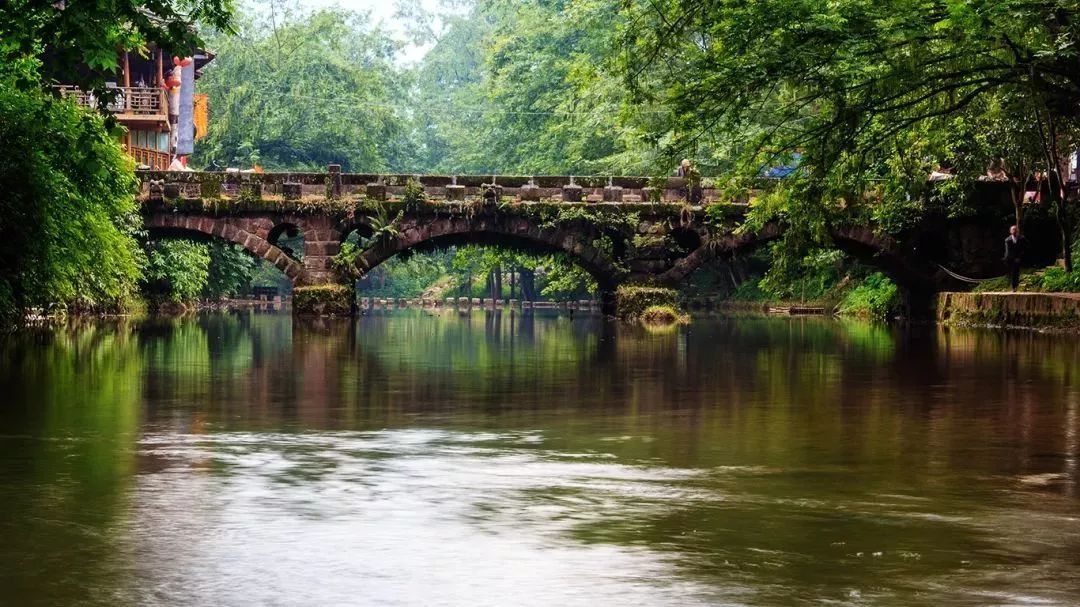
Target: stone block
(455, 192)
(334, 180)
(572, 193)
(375, 191)
(530, 193)
(251, 190)
(172, 190)
(613, 193)
(292, 190)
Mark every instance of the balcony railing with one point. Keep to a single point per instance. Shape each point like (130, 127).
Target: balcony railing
(157, 161)
(138, 101)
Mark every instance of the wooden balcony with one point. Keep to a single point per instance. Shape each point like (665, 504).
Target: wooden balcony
(157, 161)
(139, 106)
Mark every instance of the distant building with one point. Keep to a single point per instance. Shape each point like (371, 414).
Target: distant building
(156, 101)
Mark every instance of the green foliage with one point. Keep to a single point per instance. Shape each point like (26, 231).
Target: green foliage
(68, 210)
(414, 196)
(871, 96)
(875, 297)
(808, 278)
(82, 38)
(531, 87)
(632, 301)
(301, 91)
(1057, 280)
(563, 280)
(176, 271)
(230, 272)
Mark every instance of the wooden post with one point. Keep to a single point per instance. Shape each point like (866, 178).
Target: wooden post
(127, 71)
(160, 70)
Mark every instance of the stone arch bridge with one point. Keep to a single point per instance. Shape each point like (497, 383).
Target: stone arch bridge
(619, 229)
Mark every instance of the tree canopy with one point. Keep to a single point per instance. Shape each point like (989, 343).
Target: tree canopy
(870, 95)
(302, 91)
(68, 211)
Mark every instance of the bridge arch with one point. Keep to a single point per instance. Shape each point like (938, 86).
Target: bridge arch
(229, 229)
(861, 242)
(511, 232)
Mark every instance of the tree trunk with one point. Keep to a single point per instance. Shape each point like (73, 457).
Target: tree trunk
(1054, 171)
(528, 284)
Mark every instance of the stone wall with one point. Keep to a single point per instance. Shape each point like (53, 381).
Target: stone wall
(1034, 310)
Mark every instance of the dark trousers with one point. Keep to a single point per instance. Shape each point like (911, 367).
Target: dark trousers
(1014, 274)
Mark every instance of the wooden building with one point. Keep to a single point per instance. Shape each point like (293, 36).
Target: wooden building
(155, 100)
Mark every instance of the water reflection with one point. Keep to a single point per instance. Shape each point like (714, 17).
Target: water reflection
(437, 458)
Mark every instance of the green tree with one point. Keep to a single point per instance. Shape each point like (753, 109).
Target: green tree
(68, 211)
(871, 95)
(230, 271)
(176, 270)
(530, 87)
(299, 91)
(80, 40)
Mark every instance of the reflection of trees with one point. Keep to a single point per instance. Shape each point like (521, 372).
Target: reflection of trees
(70, 410)
(796, 435)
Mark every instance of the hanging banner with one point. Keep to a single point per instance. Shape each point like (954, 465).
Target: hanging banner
(202, 115)
(185, 126)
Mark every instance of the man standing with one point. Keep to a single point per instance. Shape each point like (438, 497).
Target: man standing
(1015, 246)
(685, 168)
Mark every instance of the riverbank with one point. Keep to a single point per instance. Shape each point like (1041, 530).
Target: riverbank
(1043, 311)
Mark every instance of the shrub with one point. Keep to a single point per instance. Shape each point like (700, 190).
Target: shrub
(68, 211)
(414, 196)
(1057, 280)
(875, 297)
(176, 271)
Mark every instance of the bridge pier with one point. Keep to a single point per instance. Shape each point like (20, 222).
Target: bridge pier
(324, 300)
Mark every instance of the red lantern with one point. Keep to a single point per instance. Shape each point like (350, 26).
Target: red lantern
(178, 62)
(172, 82)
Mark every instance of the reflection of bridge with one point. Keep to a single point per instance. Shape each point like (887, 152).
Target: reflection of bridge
(619, 229)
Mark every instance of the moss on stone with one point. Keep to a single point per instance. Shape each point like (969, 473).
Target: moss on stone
(663, 316)
(210, 186)
(631, 301)
(1031, 310)
(323, 300)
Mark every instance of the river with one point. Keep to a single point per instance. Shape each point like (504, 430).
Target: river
(419, 458)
